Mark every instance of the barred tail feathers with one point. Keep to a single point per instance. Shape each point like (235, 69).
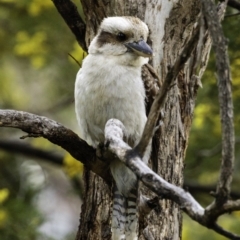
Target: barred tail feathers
(118, 215)
(131, 227)
(124, 215)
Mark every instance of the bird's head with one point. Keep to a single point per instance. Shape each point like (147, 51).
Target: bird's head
(123, 39)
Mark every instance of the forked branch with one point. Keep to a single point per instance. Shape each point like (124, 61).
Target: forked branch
(114, 132)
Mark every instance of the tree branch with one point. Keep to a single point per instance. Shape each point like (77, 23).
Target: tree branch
(225, 100)
(17, 146)
(114, 133)
(69, 13)
(58, 134)
(37, 126)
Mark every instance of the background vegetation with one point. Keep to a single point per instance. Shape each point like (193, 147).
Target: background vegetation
(37, 75)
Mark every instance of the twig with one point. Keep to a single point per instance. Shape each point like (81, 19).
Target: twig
(227, 207)
(225, 100)
(78, 63)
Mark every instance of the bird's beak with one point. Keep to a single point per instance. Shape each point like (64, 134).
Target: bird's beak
(141, 48)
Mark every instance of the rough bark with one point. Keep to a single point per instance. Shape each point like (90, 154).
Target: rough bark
(171, 25)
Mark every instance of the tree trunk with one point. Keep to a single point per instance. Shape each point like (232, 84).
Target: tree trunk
(171, 24)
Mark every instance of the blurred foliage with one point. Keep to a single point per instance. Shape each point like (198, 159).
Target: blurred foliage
(19, 218)
(37, 75)
(4, 193)
(71, 166)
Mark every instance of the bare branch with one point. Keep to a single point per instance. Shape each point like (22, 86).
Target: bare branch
(225, 99)
(214, 211)
(17, 146)
(114, 132)
(56, 133)
(69, 13)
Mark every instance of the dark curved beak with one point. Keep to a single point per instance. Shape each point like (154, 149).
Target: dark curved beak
(141, 48)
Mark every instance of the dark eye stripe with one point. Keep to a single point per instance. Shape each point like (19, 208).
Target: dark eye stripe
(105, 37)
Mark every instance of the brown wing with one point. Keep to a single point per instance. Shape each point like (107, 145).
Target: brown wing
(152, 84)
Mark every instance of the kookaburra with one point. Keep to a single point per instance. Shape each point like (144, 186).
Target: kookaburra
(109, 85)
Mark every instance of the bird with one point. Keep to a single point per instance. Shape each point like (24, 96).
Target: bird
(109, 85)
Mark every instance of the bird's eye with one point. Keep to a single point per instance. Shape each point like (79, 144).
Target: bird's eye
(121, 36)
